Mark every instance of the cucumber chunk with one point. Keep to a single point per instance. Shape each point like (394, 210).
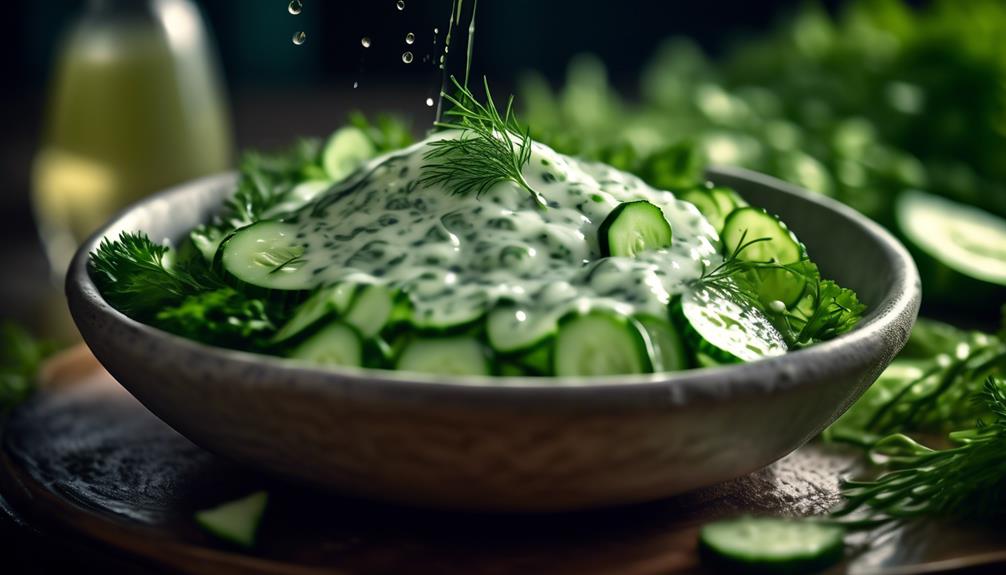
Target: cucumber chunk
(266, 255)
(336, 344)
(725, 331)
(599, 343)
(966, 239)
(707, 205)
(750, 224)
(346, 150)
(667, 350)
(371, 310)
(634, 227)
(512, 330)
(771, 545)
(460, 355)
(237, 521)
(325, 302)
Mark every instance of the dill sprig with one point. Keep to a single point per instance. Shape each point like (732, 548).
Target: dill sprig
(491, 148)
(966, 480)
(133, 274)
(826, 310)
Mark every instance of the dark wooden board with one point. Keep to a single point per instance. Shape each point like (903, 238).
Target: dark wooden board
(85, 459)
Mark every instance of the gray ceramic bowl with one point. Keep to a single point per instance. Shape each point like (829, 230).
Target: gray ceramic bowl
(510, 444)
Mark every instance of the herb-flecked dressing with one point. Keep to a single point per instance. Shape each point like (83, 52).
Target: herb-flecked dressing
(457, 256)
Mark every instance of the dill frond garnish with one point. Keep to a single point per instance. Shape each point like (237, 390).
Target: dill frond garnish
(491, 148)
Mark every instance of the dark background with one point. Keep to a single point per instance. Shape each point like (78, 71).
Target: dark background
(278, 91)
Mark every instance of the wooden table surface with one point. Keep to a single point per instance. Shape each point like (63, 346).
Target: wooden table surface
(87, 471)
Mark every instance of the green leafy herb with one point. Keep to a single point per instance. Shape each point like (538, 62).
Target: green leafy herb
(826, 311)
(968, 479)
(219, 317)
(387, 133)
(134, 275)
(491, 148)
(21, 356)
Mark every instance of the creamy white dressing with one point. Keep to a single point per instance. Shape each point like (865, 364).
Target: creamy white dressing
(456, 257)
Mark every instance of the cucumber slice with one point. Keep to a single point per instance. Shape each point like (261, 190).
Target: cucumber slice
(266, 255)
(749, 224)
(600, 343)
(727, 200)
(512, 330)
(634, 227)
(771, 545)
(667, 350)
(237, 521)
(707, 206)
(965, 239)
(371, 310)
(346, 150)
(336, 344)
(720, 328)
(460, 355)
(323, 303)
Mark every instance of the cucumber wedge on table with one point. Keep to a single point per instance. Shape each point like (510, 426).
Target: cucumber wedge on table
(771, 545)
(265, 257)
(722, 331)
(236, 522)
(458, 355)
(336, 344)
(346, 150)
(958, 247)
(757, 236)
(634, 227)
(600, 343)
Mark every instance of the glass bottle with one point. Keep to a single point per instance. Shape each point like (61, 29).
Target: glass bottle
(135, 105)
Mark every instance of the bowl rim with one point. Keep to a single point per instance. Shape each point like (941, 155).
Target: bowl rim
(901, 300)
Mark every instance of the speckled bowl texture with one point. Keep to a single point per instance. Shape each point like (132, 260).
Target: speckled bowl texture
(509, 444)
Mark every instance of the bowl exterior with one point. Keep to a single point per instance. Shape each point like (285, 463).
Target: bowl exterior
(512, 445)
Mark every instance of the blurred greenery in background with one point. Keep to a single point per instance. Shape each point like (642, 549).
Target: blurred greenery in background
(861, 106)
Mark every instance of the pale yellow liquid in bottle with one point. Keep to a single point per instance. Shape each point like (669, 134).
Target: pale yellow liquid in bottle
(135, 107)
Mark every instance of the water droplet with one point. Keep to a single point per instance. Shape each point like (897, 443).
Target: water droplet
(365, 41)
(429, 102)
(410, 38)
(299, 38)
(436, 30)
(356, 85)
(400, 4)
(407, 57)
(295, 7)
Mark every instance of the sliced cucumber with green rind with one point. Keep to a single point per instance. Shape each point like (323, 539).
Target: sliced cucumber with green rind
(963, 238)
(707, 206)
(771, 545)
(726, 199)
(634, 227)
(511, 329)
(268, 256)
(600, 343)
(324, 302)
(346, 150)
(458, 355)
(728, 332)
(667, 349)
(237, 521)
(775, 243)
(336, 344)
(371, 310)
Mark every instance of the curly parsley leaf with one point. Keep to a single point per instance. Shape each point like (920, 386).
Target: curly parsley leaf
(219, 317)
